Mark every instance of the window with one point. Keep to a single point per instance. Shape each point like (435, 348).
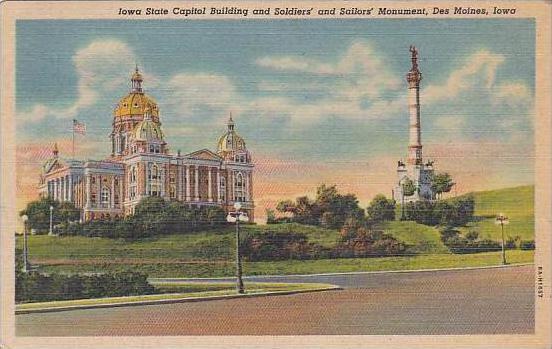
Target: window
(151, 149)
(154, 180)
(222, 193)
(239, 187)
(132, 174)
(105, 197)
(172, 191)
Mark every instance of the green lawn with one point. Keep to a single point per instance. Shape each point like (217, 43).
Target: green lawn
(427, 261)
(183, 290)
(211, 253)
(207, 245)
(418, 237)
(516, 203)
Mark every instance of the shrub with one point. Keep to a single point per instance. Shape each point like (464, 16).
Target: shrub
(456, 243)
(452, 212)
(527, 244)
(36, 287)
(510, 243)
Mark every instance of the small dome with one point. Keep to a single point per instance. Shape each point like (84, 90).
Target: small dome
(147, 130)
(230, 141)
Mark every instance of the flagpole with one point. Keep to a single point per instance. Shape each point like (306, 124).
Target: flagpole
(73, 128)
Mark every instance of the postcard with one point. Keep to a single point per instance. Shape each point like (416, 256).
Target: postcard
(276, 174)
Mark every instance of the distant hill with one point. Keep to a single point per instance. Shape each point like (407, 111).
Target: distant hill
(516, 203)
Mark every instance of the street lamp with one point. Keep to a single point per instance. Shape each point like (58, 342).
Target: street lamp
(501, 220)
(26, 265)
(236, 217)
(51, 232)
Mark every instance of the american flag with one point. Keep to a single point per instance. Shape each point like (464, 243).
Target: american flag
(79, 127)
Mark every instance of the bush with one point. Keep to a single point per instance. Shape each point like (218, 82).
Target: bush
(36, 287)
(452, 212)
(153, 216)
(469, 244)
(527, 244)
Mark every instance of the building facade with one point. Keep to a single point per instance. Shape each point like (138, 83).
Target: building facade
(140, 165)
(414, 169)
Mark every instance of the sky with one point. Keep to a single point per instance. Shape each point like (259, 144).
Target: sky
(317, 101)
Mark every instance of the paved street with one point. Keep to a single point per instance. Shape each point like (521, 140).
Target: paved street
(499, 300)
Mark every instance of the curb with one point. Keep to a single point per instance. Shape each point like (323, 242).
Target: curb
(175, 300)
(253, 277)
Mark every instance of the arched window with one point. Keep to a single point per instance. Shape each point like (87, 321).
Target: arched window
(239, 187)
(105, 197)
(222, 194)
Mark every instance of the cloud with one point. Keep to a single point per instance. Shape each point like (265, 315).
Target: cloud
(356, 85)
(477, 72)
(98, 67)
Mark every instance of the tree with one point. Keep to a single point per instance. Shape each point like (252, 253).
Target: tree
(38, 213)
(286, 206)
(441, 183)
(381, 209)
(408, 187)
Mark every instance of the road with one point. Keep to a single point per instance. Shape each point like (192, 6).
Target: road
(479, 301)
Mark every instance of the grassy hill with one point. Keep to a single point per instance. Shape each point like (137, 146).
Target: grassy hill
(516, 203)
(419, 238)
(211, 253)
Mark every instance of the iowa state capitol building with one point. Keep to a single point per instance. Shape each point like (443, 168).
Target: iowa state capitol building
(140, 165)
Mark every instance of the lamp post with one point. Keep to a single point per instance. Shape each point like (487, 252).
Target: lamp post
(236, 217)
(501, 220)
(51, 232)
(26, 265)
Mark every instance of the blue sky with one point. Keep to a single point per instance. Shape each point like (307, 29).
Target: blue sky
(301, 91)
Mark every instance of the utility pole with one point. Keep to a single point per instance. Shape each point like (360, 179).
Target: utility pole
(236, 217)
(501, 219)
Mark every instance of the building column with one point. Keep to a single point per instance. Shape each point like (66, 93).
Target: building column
(71, 188)
(99, 191)
(55, 189)
(210, 186)
(179, 187)
(250, 186)
(196, 186)
(121, 191)
(65, 188)
(218, 185)
(88, 191)
(230, 185)
(112, 194)
(187, 184)
(246, 186)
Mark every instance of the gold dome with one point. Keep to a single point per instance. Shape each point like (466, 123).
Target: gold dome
(136, 103)
(230, 141)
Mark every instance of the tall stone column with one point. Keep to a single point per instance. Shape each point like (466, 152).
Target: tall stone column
(121, 191)
(88, 189)
(196, 184)
(71, 188)
(413, 78)
(187, 180)
(219, 199)
(180, 187)
(112, 196)
(209, 186)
